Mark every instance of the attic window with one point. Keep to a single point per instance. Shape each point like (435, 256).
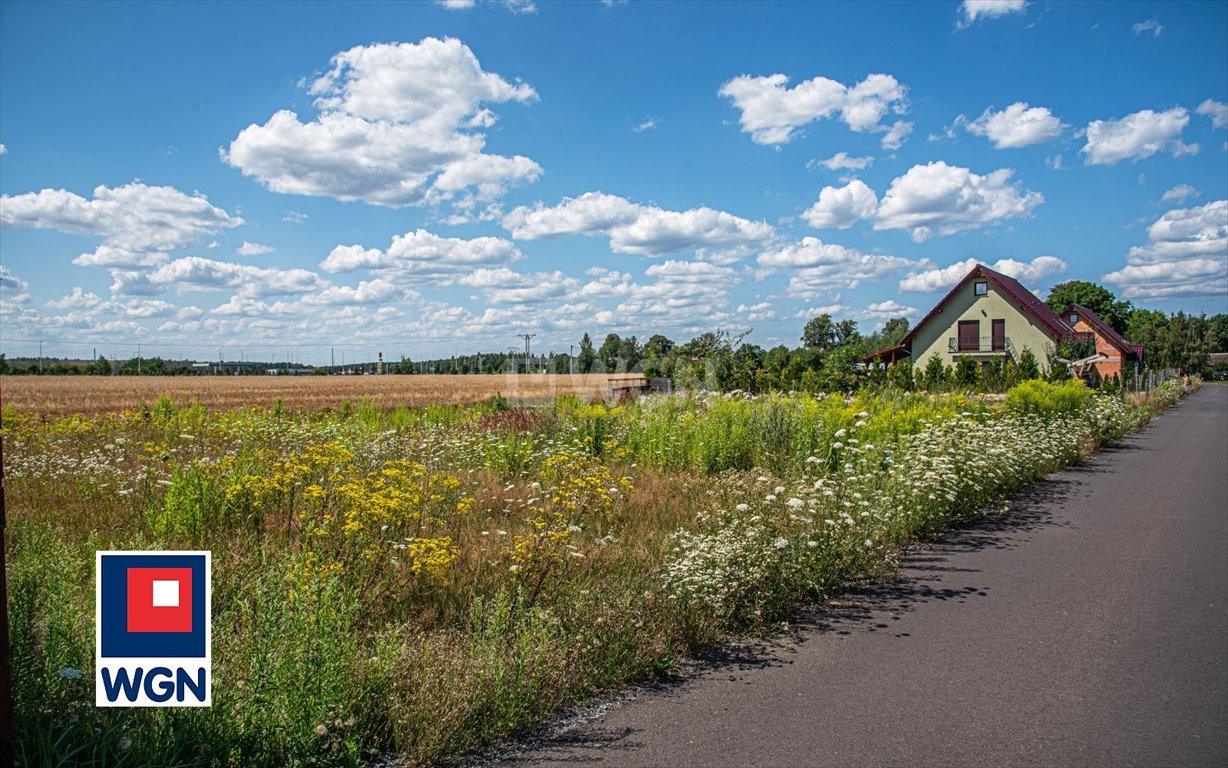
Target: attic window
(1074, 319)
(980, 287)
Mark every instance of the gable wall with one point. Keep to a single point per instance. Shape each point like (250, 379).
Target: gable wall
(1107, 368)
(1022, 330)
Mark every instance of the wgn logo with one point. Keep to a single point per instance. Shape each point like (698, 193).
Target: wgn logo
(153, 636)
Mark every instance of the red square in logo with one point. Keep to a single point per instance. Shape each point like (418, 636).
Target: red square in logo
(159, 599)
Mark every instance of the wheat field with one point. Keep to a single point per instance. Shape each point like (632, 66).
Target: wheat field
(105, 394)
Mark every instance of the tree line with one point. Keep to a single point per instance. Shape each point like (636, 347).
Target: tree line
(827, 359)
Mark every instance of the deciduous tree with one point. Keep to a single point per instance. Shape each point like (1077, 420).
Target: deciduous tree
(1095, 297)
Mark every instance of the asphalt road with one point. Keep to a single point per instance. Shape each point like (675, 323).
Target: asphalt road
(1089, 627)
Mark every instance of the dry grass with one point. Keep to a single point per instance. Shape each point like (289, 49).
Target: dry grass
(99, 394)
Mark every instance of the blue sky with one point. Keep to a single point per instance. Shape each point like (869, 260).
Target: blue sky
(435, 178)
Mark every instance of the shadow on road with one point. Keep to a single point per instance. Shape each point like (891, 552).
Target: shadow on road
(924, 566)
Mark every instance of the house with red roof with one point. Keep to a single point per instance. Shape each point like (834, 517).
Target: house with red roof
(987, 316)
(1120, 356)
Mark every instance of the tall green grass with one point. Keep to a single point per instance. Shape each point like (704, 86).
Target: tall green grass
(590, 545)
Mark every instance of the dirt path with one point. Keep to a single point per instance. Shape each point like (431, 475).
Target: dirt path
(1088, 627)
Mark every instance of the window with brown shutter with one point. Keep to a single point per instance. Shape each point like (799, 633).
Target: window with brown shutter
(999, 335)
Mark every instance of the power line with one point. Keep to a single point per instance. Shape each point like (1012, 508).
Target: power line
(199, 345)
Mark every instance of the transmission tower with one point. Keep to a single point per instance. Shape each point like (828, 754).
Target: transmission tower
(526, 337)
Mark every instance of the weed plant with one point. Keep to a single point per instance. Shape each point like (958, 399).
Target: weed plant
(417, 582)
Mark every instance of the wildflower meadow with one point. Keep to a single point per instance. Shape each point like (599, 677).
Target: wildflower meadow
(410, 584)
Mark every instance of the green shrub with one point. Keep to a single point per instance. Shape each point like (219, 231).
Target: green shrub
(1029, 368)
(935, 373)
(1037, 396)
(966, 372)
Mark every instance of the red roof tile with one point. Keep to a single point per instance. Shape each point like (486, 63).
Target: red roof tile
(1038, 309)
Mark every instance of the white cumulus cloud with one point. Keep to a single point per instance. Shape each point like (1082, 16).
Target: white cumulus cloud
(254, 249)
(1137, 136)
(506, 286)
(1216, 110)
(657, 232)
(885, 310)
(941, 199)
(196, 273)
(971, 10)
(772, 111)
(841, 207)
(1030, 273)
(1179, 194)
(1019, 125)
(894, 138)
(755, 312)
(822, 267)
(139, 224)
(11, 282)
(684, 294)
(1186, 255)
(643, 230)
(13, 287)
(92, 305)
(842, 161)
(399, 124)
(676, 271)
(376, 291)
(425, 257)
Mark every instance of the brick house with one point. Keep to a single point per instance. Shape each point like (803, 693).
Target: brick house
(1122, 357)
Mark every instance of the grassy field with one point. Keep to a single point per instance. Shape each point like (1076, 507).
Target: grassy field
(408, 584)
(108, 394)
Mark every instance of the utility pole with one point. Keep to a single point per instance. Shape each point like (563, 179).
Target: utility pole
(528, 363)
(571, 358)
(332, 361)
(40, 357)
(138, 359)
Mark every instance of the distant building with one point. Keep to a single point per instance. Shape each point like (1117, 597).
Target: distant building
(215, 369)
(1120, 356)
